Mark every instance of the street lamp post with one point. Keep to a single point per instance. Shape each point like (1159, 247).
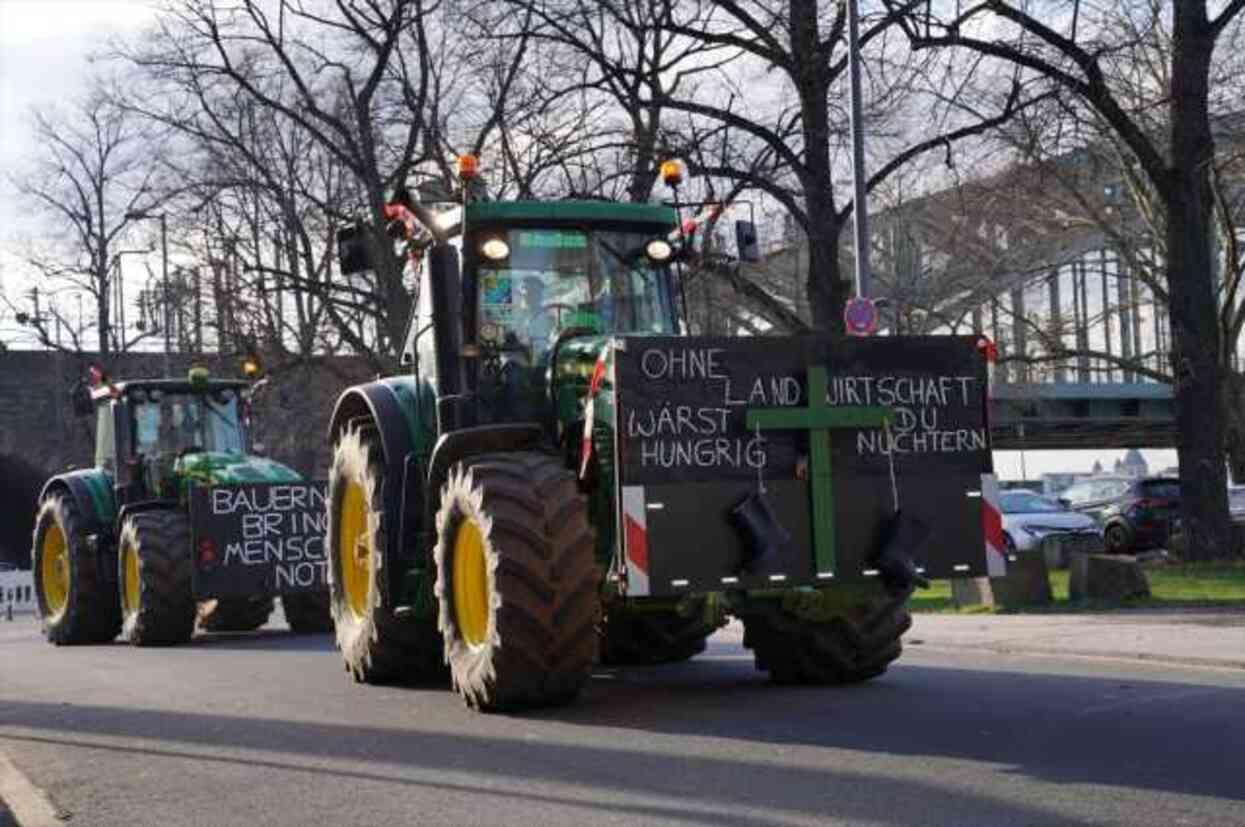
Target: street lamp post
(120, 290)
(164, 274)
(861, 214)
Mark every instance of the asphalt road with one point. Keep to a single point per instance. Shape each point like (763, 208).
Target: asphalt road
(266, 729)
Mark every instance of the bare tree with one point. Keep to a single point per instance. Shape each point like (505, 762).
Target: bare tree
(95, 167)
(261, 205)
(354, 78)
(1077, 48)
(799, 50)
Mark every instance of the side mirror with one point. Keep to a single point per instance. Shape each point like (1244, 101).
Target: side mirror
(1066, 503)
(80, 397)
(746, 241)
(352, 253)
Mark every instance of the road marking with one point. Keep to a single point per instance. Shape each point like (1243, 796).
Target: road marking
(30, 805)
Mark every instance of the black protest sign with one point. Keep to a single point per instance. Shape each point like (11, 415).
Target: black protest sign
(683, 412)
(259, 539)
(683, 404)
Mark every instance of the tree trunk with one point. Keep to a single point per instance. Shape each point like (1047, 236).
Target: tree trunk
(1196, 362)
(826, 292)
(102, 310)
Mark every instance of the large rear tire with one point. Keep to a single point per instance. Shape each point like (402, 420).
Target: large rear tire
(234, 614)
(847, 638)
(637, 638)
(308, 613)
(154, 568)
(77, 600)
(517, 583)
(377, 645)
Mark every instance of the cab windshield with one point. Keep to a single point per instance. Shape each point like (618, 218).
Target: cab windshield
(553, 280)
(175, 423)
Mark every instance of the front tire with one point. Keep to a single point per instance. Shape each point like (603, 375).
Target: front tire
(1115, 539)
(516, 581)
(77, 600)
(154, 568)
(847, 638)
(234, 614)
(377, 645)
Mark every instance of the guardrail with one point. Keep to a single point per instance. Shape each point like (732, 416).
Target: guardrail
(17, 593)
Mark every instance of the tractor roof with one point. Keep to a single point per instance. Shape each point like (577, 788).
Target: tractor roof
(167, 385)
(571, 210)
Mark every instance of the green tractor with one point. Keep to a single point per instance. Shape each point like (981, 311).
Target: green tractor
(122, 548)
(562, 479)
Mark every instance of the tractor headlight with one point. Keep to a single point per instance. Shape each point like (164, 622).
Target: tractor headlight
(658, 250)
(494, 249)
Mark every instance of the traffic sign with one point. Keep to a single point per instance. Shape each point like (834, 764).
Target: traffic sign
(861, 316)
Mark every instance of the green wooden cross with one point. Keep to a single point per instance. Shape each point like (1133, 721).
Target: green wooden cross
(818, 419)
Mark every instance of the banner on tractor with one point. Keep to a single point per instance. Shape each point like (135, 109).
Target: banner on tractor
(755, 462)
(259, 538)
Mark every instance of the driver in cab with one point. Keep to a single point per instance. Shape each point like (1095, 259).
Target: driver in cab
(533, 318)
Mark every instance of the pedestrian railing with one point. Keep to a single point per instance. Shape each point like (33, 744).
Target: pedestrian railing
(17, 593)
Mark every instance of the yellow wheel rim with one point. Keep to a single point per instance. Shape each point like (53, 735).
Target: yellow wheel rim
(471, 589)
(54, 570)
(129, 576)
(356, 548)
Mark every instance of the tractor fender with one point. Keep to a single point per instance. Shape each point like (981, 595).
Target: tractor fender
(91, 491)
(469, 442)
(139, 506)
(393, 407)
(379, 402)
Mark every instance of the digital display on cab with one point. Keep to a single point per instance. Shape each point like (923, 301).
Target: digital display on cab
(551, 239)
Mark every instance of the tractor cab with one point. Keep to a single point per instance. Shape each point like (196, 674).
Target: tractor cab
(151, 433)
(532, 286)
(518, 280)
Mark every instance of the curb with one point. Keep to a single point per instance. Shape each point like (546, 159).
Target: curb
(30, 805)
(1053, 651)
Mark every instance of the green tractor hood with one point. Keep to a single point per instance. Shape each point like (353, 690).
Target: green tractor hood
(219, 468)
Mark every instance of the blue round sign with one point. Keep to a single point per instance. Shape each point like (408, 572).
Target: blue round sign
(861, 316)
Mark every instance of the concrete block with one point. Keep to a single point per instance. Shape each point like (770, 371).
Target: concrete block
(1111, 577)
(1058, 548)
(971, 591)
(1027, 582)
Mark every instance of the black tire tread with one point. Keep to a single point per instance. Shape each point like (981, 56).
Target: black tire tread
(639, 638)
(847, 648)
(93, 614)
(545, 574)
(234, 614)
(383, 647)
(167, 610)
(308, 613)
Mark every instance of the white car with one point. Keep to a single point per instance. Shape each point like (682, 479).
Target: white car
(1236, 503)
(1028, 517)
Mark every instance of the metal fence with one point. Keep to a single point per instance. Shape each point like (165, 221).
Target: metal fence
(17, 593)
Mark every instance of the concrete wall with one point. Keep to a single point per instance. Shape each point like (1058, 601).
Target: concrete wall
(40, 436)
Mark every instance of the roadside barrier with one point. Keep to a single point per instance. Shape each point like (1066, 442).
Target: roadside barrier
(17, 593)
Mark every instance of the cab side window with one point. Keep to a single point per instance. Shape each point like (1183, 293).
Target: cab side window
(105, 438)
(424, 343)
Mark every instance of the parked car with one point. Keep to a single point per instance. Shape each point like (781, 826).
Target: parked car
(1136, 514)
(1236, 503)
(1029, 517)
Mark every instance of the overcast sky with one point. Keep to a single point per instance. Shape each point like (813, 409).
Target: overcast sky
(44, 60)
(44, 51)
